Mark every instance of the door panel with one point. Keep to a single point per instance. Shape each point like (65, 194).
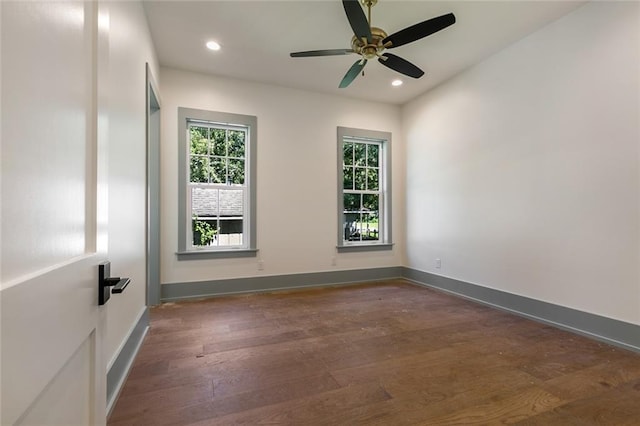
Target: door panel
(44, 321)
(45, 95)
(54, 219)
(67, 398)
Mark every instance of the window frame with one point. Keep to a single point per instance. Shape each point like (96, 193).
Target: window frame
(385, 241)
(187, 116)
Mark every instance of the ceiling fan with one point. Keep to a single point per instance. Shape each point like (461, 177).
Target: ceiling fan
(371, 42)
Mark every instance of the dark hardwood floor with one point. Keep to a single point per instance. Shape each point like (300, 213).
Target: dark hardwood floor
(388, 353)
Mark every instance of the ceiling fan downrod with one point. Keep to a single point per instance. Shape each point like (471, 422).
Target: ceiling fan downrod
(369, 4)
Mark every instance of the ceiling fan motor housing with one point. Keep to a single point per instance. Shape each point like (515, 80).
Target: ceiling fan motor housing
(369, 50)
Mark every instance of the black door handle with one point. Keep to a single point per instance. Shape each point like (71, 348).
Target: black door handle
(118, 284)
(106, 281)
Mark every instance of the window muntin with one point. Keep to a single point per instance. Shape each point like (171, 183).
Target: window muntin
(364, 194)
(217, 191)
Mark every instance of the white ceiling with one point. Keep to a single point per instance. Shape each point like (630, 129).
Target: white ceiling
(257, 37)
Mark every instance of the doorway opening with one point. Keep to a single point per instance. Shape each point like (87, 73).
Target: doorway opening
(153, 190)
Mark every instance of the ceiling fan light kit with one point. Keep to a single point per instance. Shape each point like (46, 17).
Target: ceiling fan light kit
(371, 42)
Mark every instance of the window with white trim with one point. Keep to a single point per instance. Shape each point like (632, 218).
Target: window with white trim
(217, 191)
(364, 191)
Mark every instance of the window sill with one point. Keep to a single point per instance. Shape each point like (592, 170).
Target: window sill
(364, 247)
(216, 254)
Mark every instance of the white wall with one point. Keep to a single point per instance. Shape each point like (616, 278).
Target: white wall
(523, 172)
(130, 47)
(296, 182)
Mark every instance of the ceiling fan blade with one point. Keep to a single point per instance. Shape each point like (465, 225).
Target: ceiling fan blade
(420, 30)
(403, 66)
(327, 52)
(352, 73)
(357, 19)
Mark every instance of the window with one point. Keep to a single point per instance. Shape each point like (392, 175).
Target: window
(217, 184)
(364, 196)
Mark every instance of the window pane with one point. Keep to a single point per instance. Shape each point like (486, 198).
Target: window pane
(231, 217)
(372, 180)
(204, 232)
(369, 227)
(231, 202)
(204, 209)
(350, 226)
(351, 202)
(347, 180)
(218, 139)
(360, 154)
(230, 232)
(372, 155)
(370, 203)
(204, 202)
(198, 171)
(361, 179)
(236, 144)
(218, 170)
(236, 172)
(199, 140)
(347, 153)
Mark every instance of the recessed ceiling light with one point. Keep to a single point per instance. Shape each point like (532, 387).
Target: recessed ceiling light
(212, 45)
(396, 83)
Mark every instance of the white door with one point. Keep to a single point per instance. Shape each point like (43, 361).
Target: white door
(54, 235)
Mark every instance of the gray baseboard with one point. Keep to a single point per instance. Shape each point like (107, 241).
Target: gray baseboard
(614, 332)
(194, 290)
(119, 370)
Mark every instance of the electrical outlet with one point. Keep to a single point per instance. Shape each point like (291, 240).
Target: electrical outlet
(260, 265)
(438, 263)
(334, 261)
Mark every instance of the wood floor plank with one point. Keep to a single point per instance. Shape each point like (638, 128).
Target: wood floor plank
(384, 353)
(209, 411)
(617, 406)
(173, 379)
(178, 397)
(420, 396)
(508, 410)
(307, 410)
(588, 382)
